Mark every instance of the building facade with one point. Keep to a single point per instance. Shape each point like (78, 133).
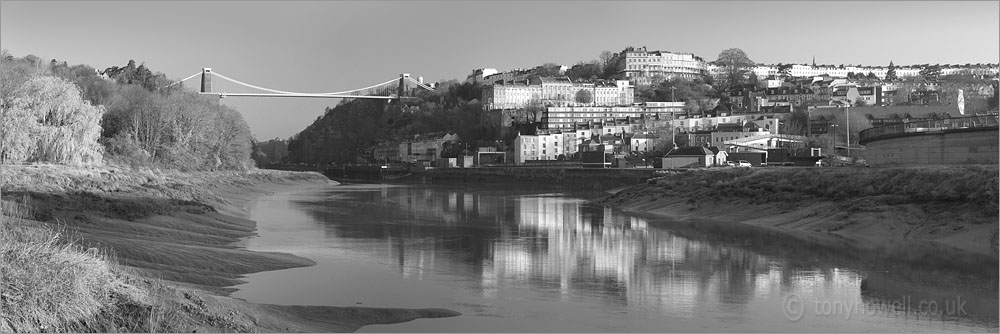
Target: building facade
(542, 146)
(851, 95)
(551, 144)
(642, 142)
(568, 117)
(516, 75)
(719, 138)
(643, 67)
(425, 147)
(794, 95)
(555, 91)
(697, 123)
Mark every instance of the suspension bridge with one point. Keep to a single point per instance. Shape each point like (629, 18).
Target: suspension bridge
(214, 83)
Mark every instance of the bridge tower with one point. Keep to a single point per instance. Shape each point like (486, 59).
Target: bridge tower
(206, 80)
(402, 85)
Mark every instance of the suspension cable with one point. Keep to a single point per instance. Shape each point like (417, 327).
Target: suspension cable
(346, 92)
(182, 80)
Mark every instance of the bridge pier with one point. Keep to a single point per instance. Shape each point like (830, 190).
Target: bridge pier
(206, 80)
(402, 85)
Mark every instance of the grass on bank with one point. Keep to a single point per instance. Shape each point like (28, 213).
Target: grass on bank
(53, 283)
(50, 284)
(961, 185)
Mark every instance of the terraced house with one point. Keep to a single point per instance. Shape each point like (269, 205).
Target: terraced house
(794, 95)
(556, 91)
(644, 67)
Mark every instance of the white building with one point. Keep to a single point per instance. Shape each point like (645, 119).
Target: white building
(555, 91)
(719, 138)
(549, 145)
(564, 118)
(690, 124)
(515, 75)
(539, 147)
(511, 96)
(641, 66)
(759, 142)
(479, 74)
(642, 142)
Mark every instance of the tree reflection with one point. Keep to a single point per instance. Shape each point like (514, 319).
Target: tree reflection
(558, 246)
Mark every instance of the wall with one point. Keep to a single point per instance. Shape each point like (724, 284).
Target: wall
(685, 162)
(576, 177)
(953, 147)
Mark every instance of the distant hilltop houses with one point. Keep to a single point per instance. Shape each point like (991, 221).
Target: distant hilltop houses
(641, 66)
(842, 71)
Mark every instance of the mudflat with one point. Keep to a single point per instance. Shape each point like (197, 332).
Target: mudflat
(175, 232)
(940, 207)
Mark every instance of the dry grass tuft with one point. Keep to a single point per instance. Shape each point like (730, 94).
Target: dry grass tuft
(52, 285)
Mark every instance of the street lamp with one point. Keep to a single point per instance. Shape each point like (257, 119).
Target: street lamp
(847, 110)
(834, 138)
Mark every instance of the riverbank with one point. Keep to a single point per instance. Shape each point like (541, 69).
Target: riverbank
(947, 206)
(164, 239)
(570, 178)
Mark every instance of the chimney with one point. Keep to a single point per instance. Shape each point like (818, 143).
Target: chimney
(420, 79)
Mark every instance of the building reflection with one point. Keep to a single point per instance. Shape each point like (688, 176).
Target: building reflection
(561, 246)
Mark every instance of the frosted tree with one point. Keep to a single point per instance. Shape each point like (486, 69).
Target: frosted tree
(47, 121)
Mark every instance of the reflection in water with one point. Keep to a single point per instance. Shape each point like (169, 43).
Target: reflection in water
(564, 249)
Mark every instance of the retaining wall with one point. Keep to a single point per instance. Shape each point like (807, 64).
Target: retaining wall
(950, 147)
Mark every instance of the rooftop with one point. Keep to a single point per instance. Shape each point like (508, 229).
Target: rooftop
(691, 151)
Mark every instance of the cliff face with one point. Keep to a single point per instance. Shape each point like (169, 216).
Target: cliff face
(952, 206)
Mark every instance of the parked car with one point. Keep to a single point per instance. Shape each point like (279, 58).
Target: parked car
(730, 164)
(744, 163)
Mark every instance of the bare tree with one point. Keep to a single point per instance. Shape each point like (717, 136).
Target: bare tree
(736, 64)
(605, 58)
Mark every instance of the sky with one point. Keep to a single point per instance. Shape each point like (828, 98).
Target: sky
(323, 46)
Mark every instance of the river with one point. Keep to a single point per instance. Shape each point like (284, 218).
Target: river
(523, 259)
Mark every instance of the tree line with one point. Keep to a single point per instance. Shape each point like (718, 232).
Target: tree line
(344, 132)
(56, 113)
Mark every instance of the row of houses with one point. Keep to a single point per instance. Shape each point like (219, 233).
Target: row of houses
(425, 147)
(620, 136)
(556, 91)
(635, 136)
(822, 120)
(565, 118)
(835, 91)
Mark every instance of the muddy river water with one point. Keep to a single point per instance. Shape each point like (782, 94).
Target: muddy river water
(518, 259)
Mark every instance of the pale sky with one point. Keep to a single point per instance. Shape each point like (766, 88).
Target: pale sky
(322, 46)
